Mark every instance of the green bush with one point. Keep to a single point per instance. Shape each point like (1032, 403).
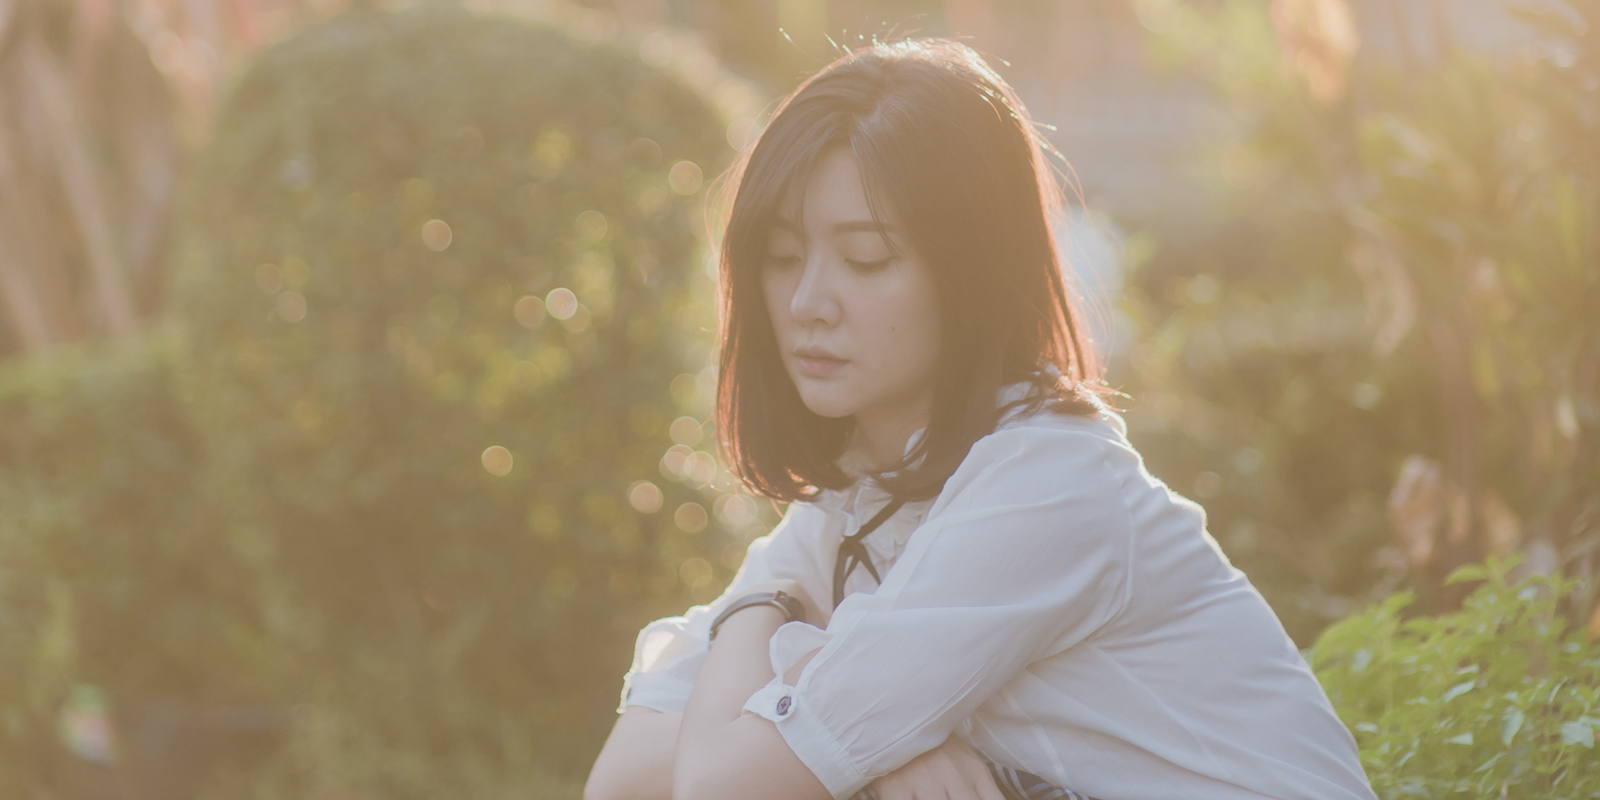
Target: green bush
(1499, 699)
(111, 570)
(443, 293)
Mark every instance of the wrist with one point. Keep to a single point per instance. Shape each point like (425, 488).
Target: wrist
(756, 620)
(779, 602)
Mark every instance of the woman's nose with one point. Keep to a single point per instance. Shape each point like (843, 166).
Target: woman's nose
(815, 301)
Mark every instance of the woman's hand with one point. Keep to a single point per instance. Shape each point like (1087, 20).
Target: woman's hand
(952, 770)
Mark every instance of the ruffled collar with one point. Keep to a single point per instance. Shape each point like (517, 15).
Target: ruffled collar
(849, 507)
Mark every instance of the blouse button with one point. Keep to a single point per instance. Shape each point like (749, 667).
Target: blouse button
(783, 705)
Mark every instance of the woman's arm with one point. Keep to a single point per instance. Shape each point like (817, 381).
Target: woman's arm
(637, 758)
(723, 754)
(636, 761)
(1027, 556)
(636, 764)
(726, 755)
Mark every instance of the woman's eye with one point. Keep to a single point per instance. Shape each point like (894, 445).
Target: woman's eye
(866, 267)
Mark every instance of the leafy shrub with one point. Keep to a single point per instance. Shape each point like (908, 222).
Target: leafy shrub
(111, 572)
(1499, 699)
(443, 294)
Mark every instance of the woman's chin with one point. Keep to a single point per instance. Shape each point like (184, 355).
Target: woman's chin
(824, 404)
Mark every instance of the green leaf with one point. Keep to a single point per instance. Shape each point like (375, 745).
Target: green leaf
(1468, 572)
(1359, 661)
(1510, 725)
(1458, 690)
(1577, 733)
(1465, 738)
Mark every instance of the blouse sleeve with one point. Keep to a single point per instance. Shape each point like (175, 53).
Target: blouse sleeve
(668, 652)
(1026, 553)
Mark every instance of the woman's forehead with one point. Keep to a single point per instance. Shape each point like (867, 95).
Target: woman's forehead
(832, 199)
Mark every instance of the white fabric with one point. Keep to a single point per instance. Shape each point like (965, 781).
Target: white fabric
(1055, 606)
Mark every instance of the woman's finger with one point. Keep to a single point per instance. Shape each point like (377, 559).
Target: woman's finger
(890, 789)
(988, 790)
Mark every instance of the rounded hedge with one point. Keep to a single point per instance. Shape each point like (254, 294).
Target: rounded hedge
(444, 295)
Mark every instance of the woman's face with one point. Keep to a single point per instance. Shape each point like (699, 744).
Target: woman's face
(857, 325)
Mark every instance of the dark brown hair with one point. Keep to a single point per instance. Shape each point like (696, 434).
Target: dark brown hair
(944, 142)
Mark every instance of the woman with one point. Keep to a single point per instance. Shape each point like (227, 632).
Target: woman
(974, 567)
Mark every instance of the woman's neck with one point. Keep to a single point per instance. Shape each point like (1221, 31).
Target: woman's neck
(879, 440)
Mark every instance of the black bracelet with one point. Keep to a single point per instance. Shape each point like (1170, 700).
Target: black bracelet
(787, 603)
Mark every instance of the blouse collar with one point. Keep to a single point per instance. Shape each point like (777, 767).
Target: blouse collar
(866, 491)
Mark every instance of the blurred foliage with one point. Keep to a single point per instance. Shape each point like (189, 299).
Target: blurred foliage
(421, 449)
(1499, 699)
(109, 574)
(1387, 344)
(444, 295)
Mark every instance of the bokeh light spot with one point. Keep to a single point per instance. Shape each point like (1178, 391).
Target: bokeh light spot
(290, 307)
(269, 278)
(672, 463)
(644, 151)
(550, 152)
(685, 177)
(644, 497)
(700, 468)
(695, 572)
(578, 322)
(684, 388)
(497, 460)
(651, 200)
(436, 235)
(561, 302)
(735, 509)
(529, 311)
(591, 226)
(686, 430)
(1366, 396)
(733, 555)
(691, 518)
(740, 132)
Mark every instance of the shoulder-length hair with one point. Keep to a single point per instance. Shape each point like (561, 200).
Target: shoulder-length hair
(942, 140)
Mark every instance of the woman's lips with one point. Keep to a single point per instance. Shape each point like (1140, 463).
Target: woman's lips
(818, 366)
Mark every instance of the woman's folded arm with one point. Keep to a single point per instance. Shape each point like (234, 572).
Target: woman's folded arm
(722, 753)
(636, 761)
(1026, 555)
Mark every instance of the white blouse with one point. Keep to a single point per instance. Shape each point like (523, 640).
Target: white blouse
(1056, 607)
